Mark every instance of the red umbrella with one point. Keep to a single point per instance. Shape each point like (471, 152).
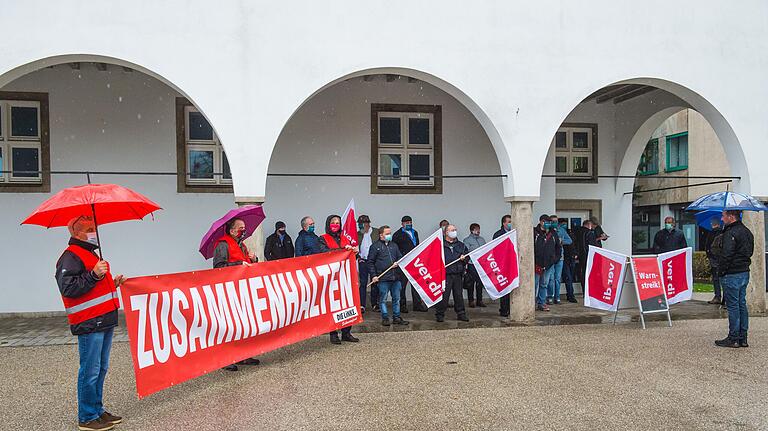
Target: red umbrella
(106, 203)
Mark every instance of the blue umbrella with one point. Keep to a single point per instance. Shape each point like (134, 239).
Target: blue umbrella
(722, 201)
(704, 218)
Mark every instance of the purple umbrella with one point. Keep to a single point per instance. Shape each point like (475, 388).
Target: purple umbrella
(252, 215)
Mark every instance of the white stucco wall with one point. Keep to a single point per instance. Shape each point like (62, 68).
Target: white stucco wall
(331, 134)
(104, 121)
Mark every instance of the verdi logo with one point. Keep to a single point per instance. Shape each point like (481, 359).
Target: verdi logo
(670, 285)
(608, 293)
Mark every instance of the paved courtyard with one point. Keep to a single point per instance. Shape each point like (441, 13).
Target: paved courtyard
(541, 377)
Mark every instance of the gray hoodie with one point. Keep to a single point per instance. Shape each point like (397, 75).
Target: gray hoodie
(473, 242)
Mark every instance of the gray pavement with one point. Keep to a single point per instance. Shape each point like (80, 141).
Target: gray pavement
(544, 377)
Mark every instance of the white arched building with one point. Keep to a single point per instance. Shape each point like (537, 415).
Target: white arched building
(471, 94)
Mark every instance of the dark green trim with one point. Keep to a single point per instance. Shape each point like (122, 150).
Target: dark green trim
(679, 167)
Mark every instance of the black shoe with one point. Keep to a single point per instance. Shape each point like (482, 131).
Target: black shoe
(385, 322)
(349, 338)
(743, 340)
(463, 318)
(376, 308)
(506, 316)
(727, 342)
(715, 300)
(362, 310)
(403, 309)
(573, 300)
(421, 309)
(335, 339)
(249, 361)
(440, 318)
(471, 303)
(232, 367)
(399, 321)
(481, 304)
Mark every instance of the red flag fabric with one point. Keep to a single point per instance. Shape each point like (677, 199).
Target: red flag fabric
(187, 324)
(649, 284)
(349, 223)
(424, 266)
(604, 278)
(497, 266)
(677, 269)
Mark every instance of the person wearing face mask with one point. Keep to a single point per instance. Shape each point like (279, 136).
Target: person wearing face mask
(443, 224)
(381, 255)
(332, 239)
(584, 238)
(407, 239)
(547, 250)
(366, 236)
(553, 288)
(669, 238)
(307, 242)
(506, 226)
(472, 281)
(713, 245)
(279, 244)
(89, 293)
(454, 250)
(569, 259)
(231, 251)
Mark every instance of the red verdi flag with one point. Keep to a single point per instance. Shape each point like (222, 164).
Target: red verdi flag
(349, 223)
(604, 279)
(497, 266)
(425, 268)
(187, 324)
(649, 284)
(677, 269)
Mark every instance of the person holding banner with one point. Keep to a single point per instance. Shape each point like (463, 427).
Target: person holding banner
(472, 282)
(366, 236)
(332, 239)
(231, 251)
(506, 226)
(455, 253)
(733, 268)
(382, 256)
(89, 294)
(407, 239)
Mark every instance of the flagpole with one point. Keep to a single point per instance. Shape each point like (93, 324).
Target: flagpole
(385, 271)
(461, 258)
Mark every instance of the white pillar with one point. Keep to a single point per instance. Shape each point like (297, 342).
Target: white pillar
(255, 242)
(756, 302)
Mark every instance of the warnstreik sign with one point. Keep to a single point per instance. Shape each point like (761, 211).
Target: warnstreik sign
(649, 284)
(187, 324)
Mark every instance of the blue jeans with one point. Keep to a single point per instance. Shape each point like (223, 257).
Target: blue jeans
(94, 362)
(553, 288)
(735, 289)
(393, 288)
(541, 282)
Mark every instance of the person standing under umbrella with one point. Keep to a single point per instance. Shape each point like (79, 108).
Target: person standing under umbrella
(332, 239)
(89, 294)
(231, 251)
(733, 269)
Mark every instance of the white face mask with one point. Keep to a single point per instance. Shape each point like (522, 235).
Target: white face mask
(453, 234)
(92, 238)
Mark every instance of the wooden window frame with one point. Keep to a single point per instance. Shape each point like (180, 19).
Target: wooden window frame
(592, 178)
(437, 149)
(28, 186)
(181, 156)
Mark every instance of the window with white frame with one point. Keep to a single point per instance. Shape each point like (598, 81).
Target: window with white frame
(205, 160)
(405, 146)
(20, 142)
(575, 151)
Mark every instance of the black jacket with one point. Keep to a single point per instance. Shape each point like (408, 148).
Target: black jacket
(582, 239)
(74, 281)
(738, 246)
(547, 248)
(453, 251)
(275, 249)
(668, 240)
(403, 240)
(499, 233)
(713, 245)
(381, 256)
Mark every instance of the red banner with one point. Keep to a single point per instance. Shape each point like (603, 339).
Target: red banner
(349, 223)
(677, 269)
(187, 324)
(605, 278)
(649, 284)
(424, 266)
(496, 264)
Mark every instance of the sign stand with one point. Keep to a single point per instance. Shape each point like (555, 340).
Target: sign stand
(655, 283)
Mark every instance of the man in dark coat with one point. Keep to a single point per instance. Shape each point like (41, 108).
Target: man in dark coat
(669, 238)
(382, 254)
(733, 268)
(279, 244)
(506, 226)
(407, 239)
(455, 251)
(307, 240)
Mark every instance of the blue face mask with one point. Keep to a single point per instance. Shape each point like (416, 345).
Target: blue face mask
(311, 228)
(409, 227)
(388, 237)
(360, 226)
(508, 227)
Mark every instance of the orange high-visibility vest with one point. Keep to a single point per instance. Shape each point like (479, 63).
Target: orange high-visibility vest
(100, 300)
